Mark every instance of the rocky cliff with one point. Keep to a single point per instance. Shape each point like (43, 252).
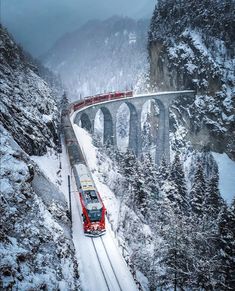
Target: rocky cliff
(28, 106)
(36, 248)
(191, 46)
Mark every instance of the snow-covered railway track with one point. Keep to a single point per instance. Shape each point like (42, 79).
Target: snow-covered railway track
(106, 265)
(101, 267)
(111, 263)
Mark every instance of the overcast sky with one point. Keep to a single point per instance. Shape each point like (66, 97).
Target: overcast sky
(38, 23)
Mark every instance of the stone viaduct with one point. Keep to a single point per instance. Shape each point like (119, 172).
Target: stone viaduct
(86, 118)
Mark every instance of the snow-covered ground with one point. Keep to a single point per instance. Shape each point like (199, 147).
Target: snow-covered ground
(56, 167)
(226, 176)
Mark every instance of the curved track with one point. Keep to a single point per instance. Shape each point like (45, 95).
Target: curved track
(102, 266)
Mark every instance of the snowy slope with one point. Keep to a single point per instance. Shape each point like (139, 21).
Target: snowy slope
(28, 105)
(36, 247)
(101, 56)
(226, 176)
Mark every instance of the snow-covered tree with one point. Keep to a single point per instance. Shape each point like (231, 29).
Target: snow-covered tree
(150, 176)
(213, 199)
(163, 171)
(177, 176)
(226, 248)
(197, 194)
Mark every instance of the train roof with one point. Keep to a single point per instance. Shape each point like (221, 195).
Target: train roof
(89, 191)
(94, 206)
(85, 177)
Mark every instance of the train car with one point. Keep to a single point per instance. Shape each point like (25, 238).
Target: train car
(100, 98)
(93, 210)
(78, 105)
(129, 93)
(117, 95)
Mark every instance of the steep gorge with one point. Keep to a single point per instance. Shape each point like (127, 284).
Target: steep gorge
(191, 46)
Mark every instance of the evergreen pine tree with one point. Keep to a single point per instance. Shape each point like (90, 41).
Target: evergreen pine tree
(129, 165)
(214, 201)
(176, 258)
(226, 247)
(178, 177)
(197, 194)
(171, 191)
(139, 191)
(163, 172)
(151, 187)
(64, 101)
(150, 172)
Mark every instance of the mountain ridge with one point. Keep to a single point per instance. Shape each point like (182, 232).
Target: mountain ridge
(101, 56)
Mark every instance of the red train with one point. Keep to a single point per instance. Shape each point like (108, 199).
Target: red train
(100, 98)
(93, 209)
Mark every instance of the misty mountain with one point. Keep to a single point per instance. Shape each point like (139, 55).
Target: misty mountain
(101, 56)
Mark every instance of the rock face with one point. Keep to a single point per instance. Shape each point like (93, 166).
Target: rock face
(28, 107)
(101, 56)
(36, 247)
(191, 46)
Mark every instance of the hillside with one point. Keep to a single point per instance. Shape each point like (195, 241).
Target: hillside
(101, 56)
(191, 46)
(36, 248)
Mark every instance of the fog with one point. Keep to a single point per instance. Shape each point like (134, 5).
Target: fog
(37, 24)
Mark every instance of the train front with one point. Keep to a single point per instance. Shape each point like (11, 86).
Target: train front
(94, 215)
(93, 210)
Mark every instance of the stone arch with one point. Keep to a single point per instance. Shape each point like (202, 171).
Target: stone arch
(149, 124)
(108, 137)
(122, 126)
(162, 136)
(134, 129)
(86, 122)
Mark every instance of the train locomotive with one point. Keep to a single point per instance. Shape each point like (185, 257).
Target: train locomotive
(93, 209)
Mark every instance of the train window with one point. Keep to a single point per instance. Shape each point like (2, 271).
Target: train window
(95, 215)
(83, 217)
(91, 196)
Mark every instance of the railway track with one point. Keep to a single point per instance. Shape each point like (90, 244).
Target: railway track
(108, 281)
(103, 267)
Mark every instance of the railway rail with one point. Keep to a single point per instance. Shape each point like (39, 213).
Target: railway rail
(95, 242)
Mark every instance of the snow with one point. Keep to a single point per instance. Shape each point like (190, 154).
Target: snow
(49, 164)
(33, 226)
(226, 176)
(56, 168)
(144, 281)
